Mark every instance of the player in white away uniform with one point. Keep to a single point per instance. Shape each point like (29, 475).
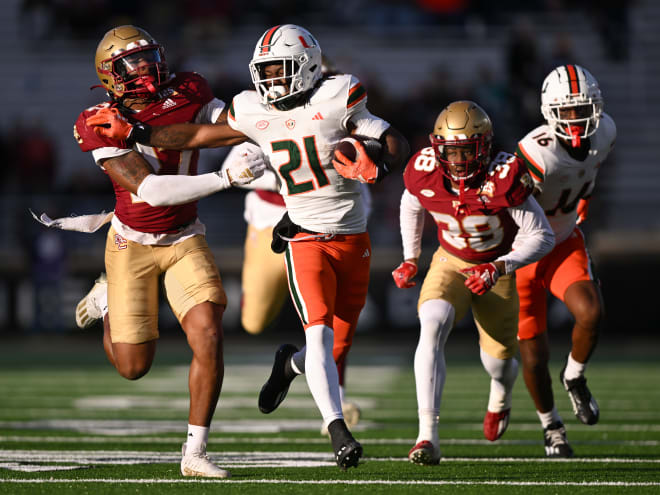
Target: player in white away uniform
(264, 286)
(297, 118)
(563, 158)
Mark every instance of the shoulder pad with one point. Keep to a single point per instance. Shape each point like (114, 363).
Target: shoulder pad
(356, 93)
(529, 151)
(508, 180)
(420, 165)
(608, 128)
(85, 136)
(193, 85)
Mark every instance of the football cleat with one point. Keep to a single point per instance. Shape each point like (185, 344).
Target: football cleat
(495, 424)
(424, 453)
(89, 308)
(351, 413)
(276, 387)
(556, 444)
(585, 406)
(199, 464)
(347, 450)
(348, 455)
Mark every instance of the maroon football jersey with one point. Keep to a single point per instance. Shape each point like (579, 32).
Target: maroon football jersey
(181, 101)
(480, 228)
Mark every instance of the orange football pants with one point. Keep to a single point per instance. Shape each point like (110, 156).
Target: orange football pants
(566, 264)
(328, 282)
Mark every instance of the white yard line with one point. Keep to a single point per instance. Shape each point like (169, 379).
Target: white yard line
(343, 482)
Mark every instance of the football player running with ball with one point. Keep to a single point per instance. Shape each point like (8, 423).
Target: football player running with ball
(264, 283)
(297, 117)
(488, 227)
(563, 157)
(155, 229)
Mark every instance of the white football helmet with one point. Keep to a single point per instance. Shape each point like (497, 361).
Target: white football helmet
(571, 102)
(300, 54)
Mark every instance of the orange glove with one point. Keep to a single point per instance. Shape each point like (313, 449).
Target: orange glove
(109, 123)
(582, 210)
(403, 275)
(363, 169)
(481, 278)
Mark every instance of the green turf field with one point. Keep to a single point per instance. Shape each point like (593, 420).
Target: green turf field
(70, 424)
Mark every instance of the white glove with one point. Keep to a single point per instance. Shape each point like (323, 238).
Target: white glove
(245, 168)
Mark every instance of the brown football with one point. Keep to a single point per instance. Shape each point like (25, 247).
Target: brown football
(347, 147)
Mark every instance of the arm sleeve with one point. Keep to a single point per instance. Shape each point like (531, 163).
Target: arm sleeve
(101, 154)
(168, 190)
(367, 124)
(210, 112)
(534, 239)
(411, 217)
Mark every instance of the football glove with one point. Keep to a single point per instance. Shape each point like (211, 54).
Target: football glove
(582, 211)
(363, 169)
(403, 275)
(246, 168)
(481, 278)
(109, 123)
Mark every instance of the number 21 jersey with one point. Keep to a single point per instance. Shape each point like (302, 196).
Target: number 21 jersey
(300, 143)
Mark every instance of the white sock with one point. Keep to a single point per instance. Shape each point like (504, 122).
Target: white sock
(573, 369)
(436, 318)
(197, 438)
(547, 418)
(503, 373)
(342, 394)
(298, 361)
(321, 372)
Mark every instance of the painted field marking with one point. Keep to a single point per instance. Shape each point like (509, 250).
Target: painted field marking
(343, 482)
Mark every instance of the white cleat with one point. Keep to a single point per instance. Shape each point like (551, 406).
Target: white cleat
(351, 413)
(89, 308)
(199, 464)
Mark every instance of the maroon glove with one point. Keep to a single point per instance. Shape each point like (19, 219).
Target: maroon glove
(403, 275)
(481, 278)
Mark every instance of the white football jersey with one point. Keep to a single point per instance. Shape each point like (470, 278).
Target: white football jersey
(300, 143)
(562, 180)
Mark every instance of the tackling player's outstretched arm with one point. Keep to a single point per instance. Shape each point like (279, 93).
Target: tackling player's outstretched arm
(109, 123)
(132, 172)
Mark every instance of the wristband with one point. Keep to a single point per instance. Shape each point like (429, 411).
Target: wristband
(140, 133)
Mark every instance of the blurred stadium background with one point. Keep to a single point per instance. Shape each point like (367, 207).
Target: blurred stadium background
(413, 57)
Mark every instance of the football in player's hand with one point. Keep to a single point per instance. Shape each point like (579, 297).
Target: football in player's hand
(347, 147)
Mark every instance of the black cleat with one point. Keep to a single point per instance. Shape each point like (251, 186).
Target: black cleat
(276, 387)
(347, 450)
(556, 444)
(349, 454)
(585, 406)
